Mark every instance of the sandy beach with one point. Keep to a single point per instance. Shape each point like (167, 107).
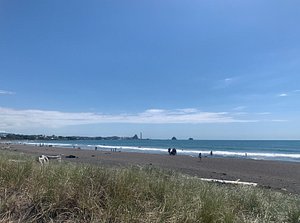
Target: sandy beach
(277, 175)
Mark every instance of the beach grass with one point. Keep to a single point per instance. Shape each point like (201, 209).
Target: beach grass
(68, 192)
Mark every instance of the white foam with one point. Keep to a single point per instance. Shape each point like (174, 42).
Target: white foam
(248, 154)
(132, 148)
(47, 144)
(207, 152)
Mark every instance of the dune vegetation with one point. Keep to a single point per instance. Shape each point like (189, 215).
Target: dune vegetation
(68, 192)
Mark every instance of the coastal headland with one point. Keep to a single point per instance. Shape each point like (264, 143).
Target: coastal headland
(277, 175)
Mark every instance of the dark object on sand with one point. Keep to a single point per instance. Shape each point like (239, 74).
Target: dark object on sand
(200, 156)
(173, 152)
(169, 151)
(211, 153)
(71, 156)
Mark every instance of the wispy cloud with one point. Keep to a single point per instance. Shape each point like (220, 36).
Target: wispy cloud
(224, 83)
(282, 95)
(228, 80)
(279, 120)
(289, 93)
(240, 113)
(18, 119)
(3, 92)
(239, 108)
(264, 113)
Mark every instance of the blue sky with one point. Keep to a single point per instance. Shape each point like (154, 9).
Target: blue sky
(201, 69)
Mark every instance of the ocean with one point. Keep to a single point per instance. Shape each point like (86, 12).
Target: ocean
(284, 150)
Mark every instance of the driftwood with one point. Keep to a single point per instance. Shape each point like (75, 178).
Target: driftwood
(229, 182)
(44, 159)
(55, 157)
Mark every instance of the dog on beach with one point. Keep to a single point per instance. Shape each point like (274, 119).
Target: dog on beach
(43, 159)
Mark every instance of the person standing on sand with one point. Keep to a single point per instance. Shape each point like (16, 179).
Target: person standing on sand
(173, 151)
(200, 156)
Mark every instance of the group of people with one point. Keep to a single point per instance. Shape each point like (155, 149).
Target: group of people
(200, 154)
(172, 151)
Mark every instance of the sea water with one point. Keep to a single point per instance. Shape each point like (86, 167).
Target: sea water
(285, 150)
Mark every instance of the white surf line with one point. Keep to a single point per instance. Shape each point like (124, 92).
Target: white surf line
(229, 181)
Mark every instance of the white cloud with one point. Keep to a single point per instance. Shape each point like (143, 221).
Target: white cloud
(3, 92)
(289, 93)
(239, 108)
(240, 113)
(12, 119)
(279, 120)
(264, 113)
(282, 95)
(228, 80)
(224, 83)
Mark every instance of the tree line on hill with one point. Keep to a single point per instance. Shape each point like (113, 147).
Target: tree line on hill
(11, 136)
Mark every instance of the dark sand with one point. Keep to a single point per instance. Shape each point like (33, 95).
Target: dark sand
(271, 174)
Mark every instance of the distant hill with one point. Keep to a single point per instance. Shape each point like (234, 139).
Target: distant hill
(11, 136)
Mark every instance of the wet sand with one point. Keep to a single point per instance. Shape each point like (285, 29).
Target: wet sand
(277, 175)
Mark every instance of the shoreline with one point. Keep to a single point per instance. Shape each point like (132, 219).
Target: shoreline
(289, 152)
(277, 175)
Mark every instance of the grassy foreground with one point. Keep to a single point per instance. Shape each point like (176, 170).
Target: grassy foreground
(83, 193)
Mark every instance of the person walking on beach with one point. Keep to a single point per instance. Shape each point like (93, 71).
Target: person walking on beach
(200, 156)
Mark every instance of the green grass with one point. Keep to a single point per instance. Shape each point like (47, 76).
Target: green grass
(82, 193)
